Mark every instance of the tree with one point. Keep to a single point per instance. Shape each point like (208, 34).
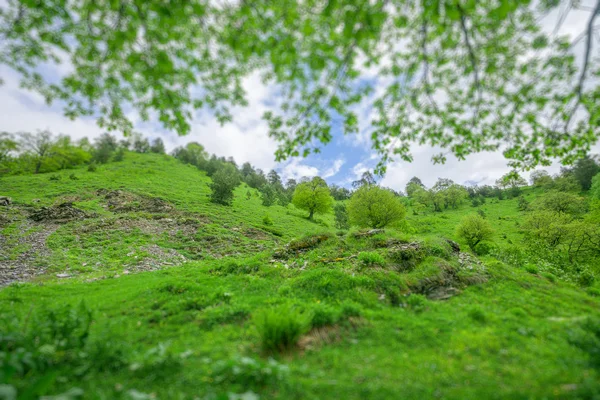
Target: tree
(274, 178)
(595, 189)
(8, 145)
(413, 185)
(540, 178)
(313, 196)
(584, 170)
(268, 195)
(38, 145)
(513, 181)
(563, 203)
(470, 88)
(374, 207)
(224, 181)
(341, 216)
(367, 178)
(474, 229)
(157, 146)
(141, 144)
(104, 146)
(340, 193)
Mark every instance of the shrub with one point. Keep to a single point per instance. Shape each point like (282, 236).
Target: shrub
(371, 258)
(482, 214)
(267, 220)
(92, 167)
(119, 155)
(223, 183)
(73, 177)
(586, 278)
(350, 309)
(374, 207)
(55, 177)
(474, 229)
(280, 328)
(522, 204)
(532, 269)
(484, 248)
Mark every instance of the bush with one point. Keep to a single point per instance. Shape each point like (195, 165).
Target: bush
(223, 183)
(484, 248)
(267, 220)
(532, 269)
(280, 328)
(92, 167)
(73, 177)
(55, 177)
(586, 278)
(374, 207)
(371, 258)
(474, 229)
(119, 155)
(407, 257)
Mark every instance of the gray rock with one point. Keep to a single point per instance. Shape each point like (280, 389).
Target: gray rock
(5, 201)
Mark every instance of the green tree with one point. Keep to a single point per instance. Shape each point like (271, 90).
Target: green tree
(313, 196)
(584, 170)
(474, 229)
(374, 207)
(157, 146)
(38, 146)
(562, 203)
(540, 178)
(8, 145)
(595, 189)
(224, 181)
(341, 216)
(104, 146)
(268, 195)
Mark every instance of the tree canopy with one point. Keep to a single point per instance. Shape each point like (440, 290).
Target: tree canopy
(466, 76)
(313, 196)
(374, 207)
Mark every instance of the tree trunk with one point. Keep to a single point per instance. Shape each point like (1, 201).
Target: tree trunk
(310, 216)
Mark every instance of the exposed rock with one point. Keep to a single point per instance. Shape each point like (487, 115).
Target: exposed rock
(300, 245)
(369, 233)
(406, 256)
(453, 245)
(120, 201)
(63, 275)
(61, 213)
(5, 201)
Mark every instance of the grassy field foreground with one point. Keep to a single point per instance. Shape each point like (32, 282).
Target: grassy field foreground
(153, 292)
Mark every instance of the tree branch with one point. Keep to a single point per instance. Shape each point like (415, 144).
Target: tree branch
(586, 60)
(472, 57)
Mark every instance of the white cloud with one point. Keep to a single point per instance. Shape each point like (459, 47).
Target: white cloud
(334, 169)
(295, 169)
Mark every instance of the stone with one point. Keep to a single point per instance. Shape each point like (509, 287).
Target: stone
(5, 201)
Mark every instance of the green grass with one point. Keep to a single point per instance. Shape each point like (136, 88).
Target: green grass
(244, 313)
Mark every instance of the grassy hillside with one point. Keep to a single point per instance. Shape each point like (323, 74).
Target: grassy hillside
(142, 288)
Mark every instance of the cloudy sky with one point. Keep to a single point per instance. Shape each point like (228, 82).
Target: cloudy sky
(246, 139)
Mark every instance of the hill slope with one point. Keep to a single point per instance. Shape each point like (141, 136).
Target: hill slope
(138, 287)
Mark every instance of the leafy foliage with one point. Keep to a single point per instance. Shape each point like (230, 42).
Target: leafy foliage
(474, 229)
(469, 87)
(313, 196)
(374, 207)
(223, 182)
